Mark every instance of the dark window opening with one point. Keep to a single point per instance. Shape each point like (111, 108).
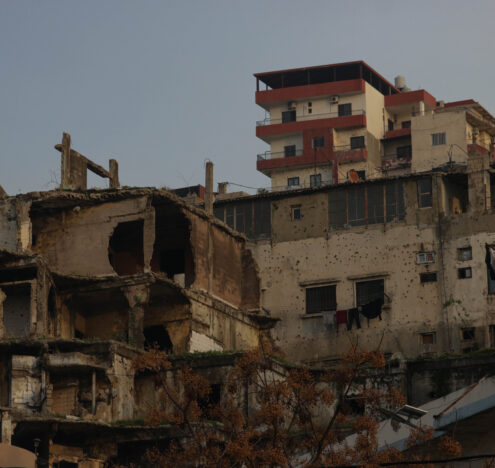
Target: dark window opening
(345, 109)
(464, 254)
(310, 108)
(212, 399)
(52, 314)
(315, 180)
(254, 217)
(428, 338)
(17, 309)
(11, 275)
(78, 334)
(293, 182)
(361, 175)
(438, 139)
(157, 337)
(296, 212)
(288, 116)
(425, 198)
(321, 299)
(354, 406)
(318, 142)
(364, 205)
(369, 291)
(404, 151)
(456, 188)
(464, 273)
(492, 336)
(490, 263)
(406, 124)
(172, 262)
(357, 142)
(289, 151)
(428, 277)
(172, 252)
(125, 249)
(390, 125)
(468, 334)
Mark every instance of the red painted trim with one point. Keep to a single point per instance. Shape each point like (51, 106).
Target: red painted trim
(400, 132)
(477, 149)
(305, 160)
(409, 98)
(300, 92)
(353, 155)
(459, 103)
(290, 127)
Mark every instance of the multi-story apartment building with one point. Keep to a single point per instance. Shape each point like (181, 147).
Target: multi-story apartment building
(344, 122)
(390, 200)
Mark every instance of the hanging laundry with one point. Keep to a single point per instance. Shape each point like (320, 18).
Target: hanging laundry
(353, 316)
(373, 309)
(329, 319)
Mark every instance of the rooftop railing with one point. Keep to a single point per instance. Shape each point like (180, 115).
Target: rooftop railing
(301, 118)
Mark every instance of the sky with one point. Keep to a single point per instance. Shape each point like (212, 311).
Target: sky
(163, 86)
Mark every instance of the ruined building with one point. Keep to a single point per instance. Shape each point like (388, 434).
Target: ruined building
(88, 279)
(380, 195)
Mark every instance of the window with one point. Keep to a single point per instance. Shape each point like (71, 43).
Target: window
(404, 151)
(363, 205)
(288, 116)
(438, 139)
(467, 334)
(345, 109)
(490, 260)
(428, 277)
(368, 291)
(321, 299)
(357, 142)
(492, 336)
(318, 142)
(406, 124)
(293, 182)
(425, 257)
(289, 151)
(464, 273)
(251, 218)
(315, 180)
(310, 107)
(296, 213)
(464, 254)
(425, 198)
(428, 338)
(361, 175)
(390, 125)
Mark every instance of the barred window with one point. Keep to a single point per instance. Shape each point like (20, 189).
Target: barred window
(438, 139)
(321, 299)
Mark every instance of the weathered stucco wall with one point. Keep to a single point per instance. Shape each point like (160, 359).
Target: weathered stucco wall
(75, 242)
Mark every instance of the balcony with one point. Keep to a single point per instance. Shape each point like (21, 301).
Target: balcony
(278, 154)
(302, 118)
(398, 133)
(268, 127)
(394, 161)
(349, 153)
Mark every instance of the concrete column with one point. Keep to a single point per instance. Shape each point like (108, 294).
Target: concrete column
(114, 173)
(209, 188)
(137, 296)
(65, 179)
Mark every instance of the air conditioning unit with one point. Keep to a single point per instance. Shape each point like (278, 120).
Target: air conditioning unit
(334, 99)
(291, 104)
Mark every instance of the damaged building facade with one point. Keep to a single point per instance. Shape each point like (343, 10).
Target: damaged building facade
(89, 279)
(386, 241)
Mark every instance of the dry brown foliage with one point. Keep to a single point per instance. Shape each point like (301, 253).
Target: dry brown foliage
(300, 418)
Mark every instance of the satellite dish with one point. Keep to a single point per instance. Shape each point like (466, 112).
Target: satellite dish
(353, 175)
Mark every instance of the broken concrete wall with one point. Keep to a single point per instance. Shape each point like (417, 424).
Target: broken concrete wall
(25, 384)
(76, 241)
(8, 224)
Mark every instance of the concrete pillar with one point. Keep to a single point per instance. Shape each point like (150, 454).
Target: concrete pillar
(222, 187)
(137, 297)
(114, 173)
(7, 428)
(209, 188)
(65, 179)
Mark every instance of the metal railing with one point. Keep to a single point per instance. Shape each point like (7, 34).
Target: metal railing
(348, 148)
(278, 154)
(301, 118)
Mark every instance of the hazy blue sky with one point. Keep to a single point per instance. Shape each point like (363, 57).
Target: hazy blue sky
(163, 85)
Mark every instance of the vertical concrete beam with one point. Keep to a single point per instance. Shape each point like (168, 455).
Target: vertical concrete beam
(114, 173)
(65, 179)
(93, 392)
(137, 296)
(478, 182)
(209, 188)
